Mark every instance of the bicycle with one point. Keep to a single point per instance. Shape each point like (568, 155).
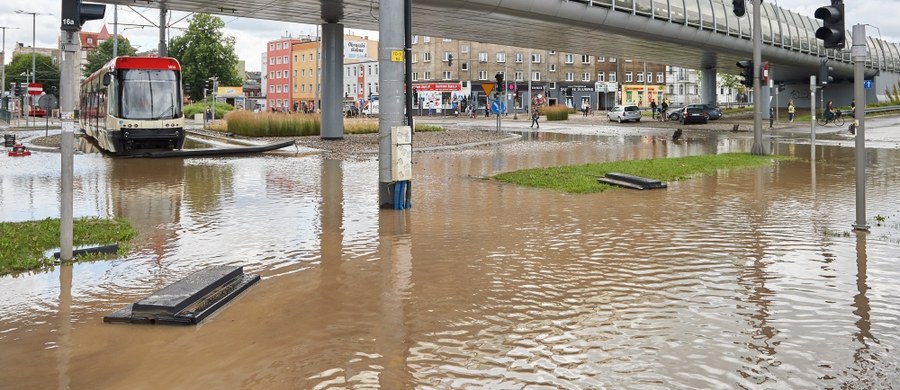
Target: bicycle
(837, 118)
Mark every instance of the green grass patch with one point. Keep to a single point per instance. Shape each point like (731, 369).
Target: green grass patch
(24, 243)
(582, 179)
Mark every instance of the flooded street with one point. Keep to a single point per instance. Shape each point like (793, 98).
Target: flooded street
(748, 279)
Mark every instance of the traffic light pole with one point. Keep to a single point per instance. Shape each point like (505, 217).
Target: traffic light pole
(858, 54)
(758, 148)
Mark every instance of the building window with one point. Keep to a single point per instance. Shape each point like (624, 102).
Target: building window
(585, 59)
(296, 58)
(271, 46)
(520, 76)
(628, 77)
(415, 76)
(415, 39)
(612, 77)
(501, 57)
(426, 56)
(482, 57)
(415, 58)
(427, 75)
(426, 39)
(446, 56)
(482, 75)
(569, 59)
(553, 85)
(447, 40)
(464, 66)
(586, 76)
(660, 78)
(463, 48)
(601, 77)
(286, 88)
(612, 59)
(519, 58)
(552, 68)
(535, 58)
(271, 75)
(278, 46)
(601, 59)
(447, 75)
(570, 76)
(271, 89)
(640, 77)
(536, 76)
(552, 52)
(649, 77)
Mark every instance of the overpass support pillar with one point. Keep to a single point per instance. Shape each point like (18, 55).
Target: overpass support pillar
(332, 110)
(708, 86)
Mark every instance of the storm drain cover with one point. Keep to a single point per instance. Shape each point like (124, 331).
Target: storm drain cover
(189, 300)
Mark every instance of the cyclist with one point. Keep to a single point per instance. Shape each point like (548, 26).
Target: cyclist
(829, 111)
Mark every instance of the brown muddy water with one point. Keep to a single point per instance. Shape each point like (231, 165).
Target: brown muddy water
(750, 278)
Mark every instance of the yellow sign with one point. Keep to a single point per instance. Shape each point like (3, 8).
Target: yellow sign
(487, 87)
(396, 55)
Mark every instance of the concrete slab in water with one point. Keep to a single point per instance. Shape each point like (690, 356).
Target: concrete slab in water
(189, 300)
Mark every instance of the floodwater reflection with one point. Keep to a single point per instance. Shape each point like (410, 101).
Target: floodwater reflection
(748, 278)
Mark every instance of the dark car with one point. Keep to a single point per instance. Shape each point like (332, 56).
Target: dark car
(351, 110)
(694, 114)
(712, 111)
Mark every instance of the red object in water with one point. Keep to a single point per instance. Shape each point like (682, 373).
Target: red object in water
(19, 150)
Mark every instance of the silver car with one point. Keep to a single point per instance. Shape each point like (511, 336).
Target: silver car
(624, 113)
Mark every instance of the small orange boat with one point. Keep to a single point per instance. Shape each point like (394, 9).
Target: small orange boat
(19, 150)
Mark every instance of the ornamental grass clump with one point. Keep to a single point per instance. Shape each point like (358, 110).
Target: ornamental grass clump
(267, 124)
(558, 112)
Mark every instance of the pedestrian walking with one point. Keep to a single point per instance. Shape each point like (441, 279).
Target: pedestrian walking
(771, 116)
(653, 108)
(663, 108)
(791, 110)
(534, 119)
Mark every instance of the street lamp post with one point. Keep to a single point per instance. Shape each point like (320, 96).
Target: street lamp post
(33, 30)
(3, 60)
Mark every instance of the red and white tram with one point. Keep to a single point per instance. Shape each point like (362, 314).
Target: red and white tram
(133, 104)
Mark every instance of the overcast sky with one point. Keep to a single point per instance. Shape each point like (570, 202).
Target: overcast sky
(251, 35)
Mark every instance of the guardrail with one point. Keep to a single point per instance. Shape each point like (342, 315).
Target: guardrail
(876, 110)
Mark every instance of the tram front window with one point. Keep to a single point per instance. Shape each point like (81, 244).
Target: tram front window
(150, 94)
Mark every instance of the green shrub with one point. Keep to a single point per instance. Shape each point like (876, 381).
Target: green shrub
(200, 108)
(267, 124)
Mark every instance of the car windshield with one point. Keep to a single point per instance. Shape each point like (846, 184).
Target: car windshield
(631, 108)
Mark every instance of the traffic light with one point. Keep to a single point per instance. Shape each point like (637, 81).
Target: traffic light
(739, 7)
(499, 77)
(74, 14)
(17, 90)
(208, 85)
(832, 31)
(824, 72)
(781, 87)
(450, 60)
(746, 72)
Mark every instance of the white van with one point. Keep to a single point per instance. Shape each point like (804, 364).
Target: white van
(372, 106)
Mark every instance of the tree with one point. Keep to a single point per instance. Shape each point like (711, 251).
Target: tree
(204, 51)
(47, 72)
(733, 82)
(103, 53)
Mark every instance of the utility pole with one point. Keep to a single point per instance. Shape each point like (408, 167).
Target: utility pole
(3, 59)
(858, 54)
(758, 148)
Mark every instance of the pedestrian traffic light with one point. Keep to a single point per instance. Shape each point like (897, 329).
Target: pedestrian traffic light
(74, 14)
(739, 7)
(450, 60)
(499, 77)
(824, 72)
(832, 31)
(746, 72)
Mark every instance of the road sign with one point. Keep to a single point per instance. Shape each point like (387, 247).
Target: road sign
(487, 87)
(867, 84)
(497, 107)
(35, 89)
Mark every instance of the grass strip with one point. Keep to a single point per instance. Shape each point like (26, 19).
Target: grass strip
(22, 244)
(582, 179)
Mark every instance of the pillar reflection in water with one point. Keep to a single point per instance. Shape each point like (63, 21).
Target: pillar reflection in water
(395, 257)
(64, 315)
(861, 301)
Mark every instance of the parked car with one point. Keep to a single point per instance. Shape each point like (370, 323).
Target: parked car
(694, 114)
(624, 113)
(674, 113)
(351, 110)
(712, 111)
